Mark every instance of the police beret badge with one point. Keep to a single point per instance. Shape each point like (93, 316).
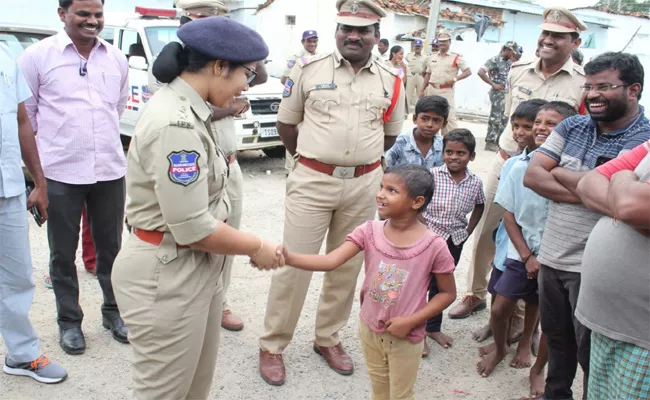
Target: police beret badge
(184, 167)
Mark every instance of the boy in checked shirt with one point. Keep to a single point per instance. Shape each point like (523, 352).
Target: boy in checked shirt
(457, 192)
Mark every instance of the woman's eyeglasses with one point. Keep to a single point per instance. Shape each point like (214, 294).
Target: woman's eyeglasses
(252, 76)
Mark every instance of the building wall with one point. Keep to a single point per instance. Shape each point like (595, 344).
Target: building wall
(624, 29)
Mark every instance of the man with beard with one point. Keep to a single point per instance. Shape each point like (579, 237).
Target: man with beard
(351, 108)
(552, 76)
(616, 123)
(80, 87)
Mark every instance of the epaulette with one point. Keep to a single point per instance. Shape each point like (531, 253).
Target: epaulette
(523, 62)
(579, 69)
(182, 119)
(303, 61)
(389, 68)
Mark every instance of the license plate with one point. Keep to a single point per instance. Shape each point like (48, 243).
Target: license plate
(268, 132)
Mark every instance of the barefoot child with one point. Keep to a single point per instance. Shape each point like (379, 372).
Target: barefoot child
(422, 146)
(524, 220)
(400, 256)
(457, 192)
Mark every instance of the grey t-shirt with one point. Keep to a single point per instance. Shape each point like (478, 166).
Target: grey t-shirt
(614, 295)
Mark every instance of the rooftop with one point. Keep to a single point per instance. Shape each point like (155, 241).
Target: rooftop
(614, 12)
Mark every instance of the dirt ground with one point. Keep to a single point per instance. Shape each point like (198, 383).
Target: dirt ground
(104, 371)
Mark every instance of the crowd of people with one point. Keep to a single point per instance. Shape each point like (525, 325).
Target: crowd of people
(561, 226)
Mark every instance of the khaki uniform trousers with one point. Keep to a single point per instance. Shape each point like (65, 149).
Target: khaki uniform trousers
(171, 300)
(484, 249)
(235, 191)
(413, 86)
(392, 364)
(317, 204)
(452, 122)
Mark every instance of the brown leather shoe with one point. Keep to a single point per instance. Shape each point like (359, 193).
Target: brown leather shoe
(337, 358)
(272, 368)
(467, 307)
(231, 322)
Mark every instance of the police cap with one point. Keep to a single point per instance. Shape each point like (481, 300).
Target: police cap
(417, 43)
(358, 12)
(224, 39)
(561, 20)
(444, 36)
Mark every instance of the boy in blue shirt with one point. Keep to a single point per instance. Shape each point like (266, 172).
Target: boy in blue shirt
(422, 146)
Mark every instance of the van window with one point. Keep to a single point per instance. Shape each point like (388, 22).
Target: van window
(108, 34)
(159, 36)
(131, 44)
(19, 41)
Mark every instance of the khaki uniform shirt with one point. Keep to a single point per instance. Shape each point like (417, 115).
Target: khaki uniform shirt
(302, 55)
(176, 174)
(415, 63)
(526, 82)
(442, 67)
(225, 130)
(341, 112)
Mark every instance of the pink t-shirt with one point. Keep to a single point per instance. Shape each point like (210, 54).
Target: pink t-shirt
(397, 278)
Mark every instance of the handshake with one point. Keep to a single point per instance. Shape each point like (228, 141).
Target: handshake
(269, 256)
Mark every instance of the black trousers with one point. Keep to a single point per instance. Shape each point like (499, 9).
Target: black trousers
(434, 324)
(569, 342)
(105, 207)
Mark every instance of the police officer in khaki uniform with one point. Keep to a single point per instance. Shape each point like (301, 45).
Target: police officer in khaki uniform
(552, 76)
(441, 75)
(167, 278)
(350, 113)
(415, 81)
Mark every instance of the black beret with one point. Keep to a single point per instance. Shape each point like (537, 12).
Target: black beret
(224, 39)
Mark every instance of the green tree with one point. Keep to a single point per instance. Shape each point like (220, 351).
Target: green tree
(642, 6)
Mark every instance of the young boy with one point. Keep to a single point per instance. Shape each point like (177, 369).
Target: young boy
(457, 192)
(422, 146)
(524, 220)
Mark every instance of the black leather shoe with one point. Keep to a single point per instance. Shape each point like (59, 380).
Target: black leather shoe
(72, 341)
(117, 327)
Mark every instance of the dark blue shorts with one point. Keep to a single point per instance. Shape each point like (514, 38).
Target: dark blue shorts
(514, 283)
(494, 278)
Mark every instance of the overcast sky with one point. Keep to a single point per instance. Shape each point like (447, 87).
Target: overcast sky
(567, 3)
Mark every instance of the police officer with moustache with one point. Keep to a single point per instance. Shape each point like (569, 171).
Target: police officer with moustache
(415, 81)
(351, 108)
(495, 73)
(441, 75)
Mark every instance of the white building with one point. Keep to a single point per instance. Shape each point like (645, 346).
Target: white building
(624, 27)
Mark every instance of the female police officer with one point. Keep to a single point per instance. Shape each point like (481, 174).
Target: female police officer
(167, 276)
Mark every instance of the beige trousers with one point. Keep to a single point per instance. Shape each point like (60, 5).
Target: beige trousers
(171, 300)
(413, 86)
(392, 364)
(318, 207)
(452, 122)
(235, 190)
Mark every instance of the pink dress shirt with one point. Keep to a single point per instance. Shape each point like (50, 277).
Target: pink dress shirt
(76, 109)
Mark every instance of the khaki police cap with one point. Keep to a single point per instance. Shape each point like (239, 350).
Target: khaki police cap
(201, 8)
(444, 36)
(358, 12)
(561, 20)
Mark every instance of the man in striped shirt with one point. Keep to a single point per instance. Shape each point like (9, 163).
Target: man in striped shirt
(616, 123)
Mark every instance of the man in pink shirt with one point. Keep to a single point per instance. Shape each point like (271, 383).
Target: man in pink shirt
(80, 86)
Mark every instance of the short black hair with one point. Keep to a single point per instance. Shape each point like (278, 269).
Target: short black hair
(435, 104)
(65, 4)
(561, 107)
(628, 66)
(577, 56)
(575, 36)
(461, 135)
(384, 42)
(417, 179)
(528, 109)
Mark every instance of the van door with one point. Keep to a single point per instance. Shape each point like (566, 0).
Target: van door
(130, 42)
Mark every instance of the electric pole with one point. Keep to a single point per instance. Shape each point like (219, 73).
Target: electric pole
(434, 10)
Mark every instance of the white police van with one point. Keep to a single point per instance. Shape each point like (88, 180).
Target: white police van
(142, 35)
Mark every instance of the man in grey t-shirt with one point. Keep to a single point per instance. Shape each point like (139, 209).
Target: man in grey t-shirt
(579, 144)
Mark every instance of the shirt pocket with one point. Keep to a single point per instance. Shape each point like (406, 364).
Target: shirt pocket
(324, 104)
(110, 88)
(375, 106)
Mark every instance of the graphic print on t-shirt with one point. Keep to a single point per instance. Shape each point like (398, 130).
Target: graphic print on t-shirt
(388, 283)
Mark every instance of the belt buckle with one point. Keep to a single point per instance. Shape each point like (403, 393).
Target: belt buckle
(344, 172)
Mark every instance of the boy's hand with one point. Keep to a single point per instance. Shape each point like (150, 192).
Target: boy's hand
(532, 267)
(400, 327)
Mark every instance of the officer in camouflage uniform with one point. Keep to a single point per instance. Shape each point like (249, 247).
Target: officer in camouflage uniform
(495, 73)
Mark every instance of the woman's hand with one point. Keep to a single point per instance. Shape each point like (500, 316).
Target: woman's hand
(269, 256)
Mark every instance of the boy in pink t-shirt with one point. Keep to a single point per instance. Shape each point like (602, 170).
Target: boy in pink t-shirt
(401, 254)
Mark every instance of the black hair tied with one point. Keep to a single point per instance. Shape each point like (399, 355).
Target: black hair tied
(172, 60)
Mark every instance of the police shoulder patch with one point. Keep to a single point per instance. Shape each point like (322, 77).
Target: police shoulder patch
(288, 86)
(291, 63)
(183, 167)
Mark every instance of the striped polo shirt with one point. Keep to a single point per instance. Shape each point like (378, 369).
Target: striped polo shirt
(576, 145)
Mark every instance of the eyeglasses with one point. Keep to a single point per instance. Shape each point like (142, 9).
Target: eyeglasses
(601, 87)
(252, 76)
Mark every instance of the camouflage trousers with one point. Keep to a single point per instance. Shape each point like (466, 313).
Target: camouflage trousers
(498, 119)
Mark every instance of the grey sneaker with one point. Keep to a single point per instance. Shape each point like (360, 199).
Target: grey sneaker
(41, 369)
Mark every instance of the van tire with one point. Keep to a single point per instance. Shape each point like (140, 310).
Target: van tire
(275, 152)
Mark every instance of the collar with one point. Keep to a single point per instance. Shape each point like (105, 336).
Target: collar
(63, 41)
(528, 154)
(339, 60)
(199, 106)
(414, 144)
(567, 66)
(639, 117)
(443, 168)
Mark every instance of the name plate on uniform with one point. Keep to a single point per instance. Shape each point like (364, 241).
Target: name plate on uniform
(268, 132)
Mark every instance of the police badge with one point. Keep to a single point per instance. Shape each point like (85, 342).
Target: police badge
(184, 167)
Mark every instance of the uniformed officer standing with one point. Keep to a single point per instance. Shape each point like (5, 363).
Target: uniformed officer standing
(415, 81)
(441, 76)
(350, 114)
(552, 76)
(495, 73)
(167, 277)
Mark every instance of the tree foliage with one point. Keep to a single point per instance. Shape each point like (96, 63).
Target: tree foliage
(642, 6)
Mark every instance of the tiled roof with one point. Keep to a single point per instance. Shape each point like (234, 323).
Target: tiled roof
(265, 4)
(610, 11)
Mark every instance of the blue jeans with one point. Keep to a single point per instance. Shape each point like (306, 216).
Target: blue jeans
(16, 282)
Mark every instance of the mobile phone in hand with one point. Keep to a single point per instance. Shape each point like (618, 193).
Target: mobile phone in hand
(34, 210)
